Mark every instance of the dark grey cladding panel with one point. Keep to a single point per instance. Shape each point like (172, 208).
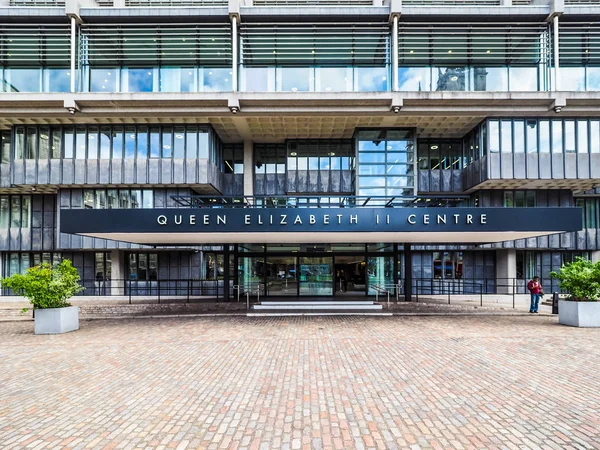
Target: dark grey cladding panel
(519, 165)
(179, 171)
(495, 165)
(506, 165)
(48, 238)
(30, 171)
(68, 171)
(545, 165)
(313, 181)
(153, 171)
(302, 181)
(116, 169)
(570, 166)
(18, 172)
(92, 172)
(5, 175)
(554, 241)
(166, 171)
(43, 171)
(446, 178)
(141, 176)
(129, 173)
(80, 171)
(104, 171)
(583, 165)
(595, 165)
(323, 181)
(191, 171)
(558, 167)
(4, 239)
(55, 170)
(532, 166)
(435, 180)
(423, 181)
(456, 180)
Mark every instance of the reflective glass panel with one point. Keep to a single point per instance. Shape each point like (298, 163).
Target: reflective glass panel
(178, 79)
(216, 80)
(142, 142)
(256, 79)
(414, 79)
(334, 79)
(23, 80)
(316, 275)
(103, 80)
(294, 79)
(557, 136)
(371, 79)
(57, 80)
(523, 79)
(140, 79)
(582, 136)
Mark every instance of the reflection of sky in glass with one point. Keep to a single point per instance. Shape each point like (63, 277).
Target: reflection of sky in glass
(333, 79)
(23, 80)
(129, 142)
(372, 79)
(572, 79)
(256, 78)
(140, 80)
(523, 79)
(103, 80)
(490, 79)
(216, 80)
(59, 80)
(295, 79)
(414, 79)
(544, 141)
(593, 78)
(177, 79)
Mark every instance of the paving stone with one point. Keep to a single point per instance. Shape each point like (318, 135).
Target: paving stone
(302, 382)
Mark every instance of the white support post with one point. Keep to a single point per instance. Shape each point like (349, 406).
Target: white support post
(395, 53)
(73, 51)
(234, 53)
(556, 55)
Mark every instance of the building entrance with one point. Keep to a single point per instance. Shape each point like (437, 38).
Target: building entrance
(350, 275)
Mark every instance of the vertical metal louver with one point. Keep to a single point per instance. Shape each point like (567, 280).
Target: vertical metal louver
(579, 43)
(485, 44)
(325, 44)
(184, 44)
(40, 45)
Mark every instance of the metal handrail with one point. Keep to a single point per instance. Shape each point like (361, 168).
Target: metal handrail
(248, 289)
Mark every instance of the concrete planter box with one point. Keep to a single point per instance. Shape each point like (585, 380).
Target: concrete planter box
(56, 320)
(579, 314)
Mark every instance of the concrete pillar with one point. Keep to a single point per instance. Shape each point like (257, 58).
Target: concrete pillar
(506, 270)
(407, 272)
(117, 272)
(248, 168)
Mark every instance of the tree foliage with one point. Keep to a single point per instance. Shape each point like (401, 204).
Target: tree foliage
(581, 279)
(46, 285)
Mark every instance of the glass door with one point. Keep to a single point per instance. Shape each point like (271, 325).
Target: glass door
(380, 272)
(316, 275)
(281, 273)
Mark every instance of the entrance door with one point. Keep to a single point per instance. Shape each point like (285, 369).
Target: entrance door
(282, 276)
(350, 275)
(316, 275)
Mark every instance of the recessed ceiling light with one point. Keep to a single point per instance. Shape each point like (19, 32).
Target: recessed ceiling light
(294, 89)
(449, 51)
(132, 136)
(331, 153)
(179, 136)
(434, 147)
(454, 78)
(293, 154)
(167, 147)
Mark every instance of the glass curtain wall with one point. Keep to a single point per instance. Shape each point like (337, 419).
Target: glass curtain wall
(117, 142)
(474, 57)
(322, 57)
(579, 56)
(35, 59)
(386, 162)
(164, 58)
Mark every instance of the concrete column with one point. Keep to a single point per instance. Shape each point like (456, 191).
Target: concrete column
(506, 270)
(117, 272)
(595, 256)
(407, 272)
(248, 168)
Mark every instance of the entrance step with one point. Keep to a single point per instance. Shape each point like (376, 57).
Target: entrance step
(316, 307)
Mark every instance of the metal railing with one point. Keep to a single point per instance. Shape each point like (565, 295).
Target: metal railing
(37, 3)
(387, 289)
(249, 289)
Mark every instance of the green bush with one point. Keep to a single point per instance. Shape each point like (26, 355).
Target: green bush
(46, 286)
(581, 279)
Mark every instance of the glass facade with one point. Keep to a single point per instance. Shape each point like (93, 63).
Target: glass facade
(117, 198)
(15, 211)
(116, 142)
(386, 162)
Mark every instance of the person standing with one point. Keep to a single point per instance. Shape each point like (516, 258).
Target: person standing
(535, 288)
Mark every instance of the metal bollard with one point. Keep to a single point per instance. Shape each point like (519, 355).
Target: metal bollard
(555, 303)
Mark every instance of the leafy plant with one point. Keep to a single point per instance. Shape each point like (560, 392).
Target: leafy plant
(581, 279)
(46, 285)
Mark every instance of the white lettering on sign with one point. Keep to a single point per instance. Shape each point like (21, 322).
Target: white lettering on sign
(162, 220)
(483, 218)
(222, 219)
(412, 219)
(192, 219)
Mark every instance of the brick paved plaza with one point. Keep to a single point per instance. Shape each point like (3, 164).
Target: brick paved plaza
(234, 382)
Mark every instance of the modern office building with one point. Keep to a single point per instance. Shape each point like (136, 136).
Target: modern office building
(306, 146)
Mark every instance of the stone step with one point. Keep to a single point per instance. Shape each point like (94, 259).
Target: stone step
(316, 307)
(336, 303)
(324, 312)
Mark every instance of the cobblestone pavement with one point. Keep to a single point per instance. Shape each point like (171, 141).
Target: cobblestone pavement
(320, 382)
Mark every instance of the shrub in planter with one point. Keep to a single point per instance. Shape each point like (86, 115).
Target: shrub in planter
(48, 288)
(581, 279)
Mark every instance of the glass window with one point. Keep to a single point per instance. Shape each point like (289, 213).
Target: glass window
(178, 79)
(216, 80)
(23, 80)
(69, 144)
(93, 142)
(557, 136)
(105, 142)
(519, 136)
(191, 142)
(136, 198)
(414, 79)
(117, 143)
(56, 142)
(582, 136)
(124, 199)
(140, 79)
(494, 136)
(256, 79)
(142, 143)
(88, 199)
(57, 80)
(100, 199)
(104, 79)
(523, 79)
(490, 79)
(167, 142)
(15, 211)
(31, 143)
(112, 199)
(570, 136)
(595, 136)
(179, 141)
(4, 211)
(148, 199)
(80, 143)
(129, 142)
(294, 79)
(544, 140)
(203, 143)
(334, 79)
(155, 142)
(532, 137)
(371, 79)
(506, 136)
(20, 143)
(26, 211)
(44, 144)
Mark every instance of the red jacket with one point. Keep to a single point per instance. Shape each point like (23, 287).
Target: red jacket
(534, 287)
